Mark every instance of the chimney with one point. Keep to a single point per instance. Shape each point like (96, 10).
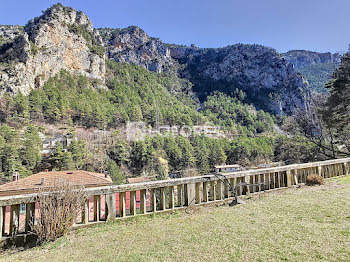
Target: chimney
(42, 181)
(15, 176)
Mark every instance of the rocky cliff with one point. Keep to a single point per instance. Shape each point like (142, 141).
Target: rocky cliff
(62, 38)
(132, 45)
(271, 83)
(9, 32)
(302, 58)
(317, 68)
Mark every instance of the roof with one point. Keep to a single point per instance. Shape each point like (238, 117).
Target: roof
(228, 166)
(140, 179)
(32, 183)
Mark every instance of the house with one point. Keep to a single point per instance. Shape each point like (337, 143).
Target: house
(133, 180)
(45, 180)
(42, 180)
(227, 168)
(140, 179)
(274, 164)
(50, 143)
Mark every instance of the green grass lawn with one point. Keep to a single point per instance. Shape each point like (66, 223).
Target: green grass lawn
(304, 224)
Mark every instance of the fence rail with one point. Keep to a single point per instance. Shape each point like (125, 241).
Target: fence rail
(129, 200)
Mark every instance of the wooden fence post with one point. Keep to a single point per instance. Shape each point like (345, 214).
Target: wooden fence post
(86, 212)
(132, 203)
(289, 178)
(143, 201)
(97, 208)
(205, 192)
(111, 202)
(162, 199)
(30, 213)
(171, 197)
(220, 187)
(247, 180)
(191, 194)
(2, 220)
(345, 167)
(267, 181)
(154, 200)
(212, 191)
(296, 176)
(14, 219)
(180, 195)
(122, 204)
(198, 193)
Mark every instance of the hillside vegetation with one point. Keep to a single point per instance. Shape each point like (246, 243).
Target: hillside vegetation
(110, 77)
(132, 94)
(318, 75)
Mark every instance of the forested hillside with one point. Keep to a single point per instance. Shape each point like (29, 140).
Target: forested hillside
(317, 68)
(108, 78)
(132, 94)
(318, 75)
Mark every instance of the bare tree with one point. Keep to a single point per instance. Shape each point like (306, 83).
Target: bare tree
(311, 124)
(59, 206)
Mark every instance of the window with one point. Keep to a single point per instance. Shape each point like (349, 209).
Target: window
(23, 208)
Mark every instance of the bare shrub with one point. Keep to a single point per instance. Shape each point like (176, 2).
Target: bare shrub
(59, 206)
(312, 180)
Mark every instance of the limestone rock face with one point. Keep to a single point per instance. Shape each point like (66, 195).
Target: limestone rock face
(9, 32)
(62, 38)
(132, 45)
(317, 68)
(269, 80)
(302, 58)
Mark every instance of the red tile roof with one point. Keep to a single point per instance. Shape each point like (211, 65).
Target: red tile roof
(140, 179)
(32, 183)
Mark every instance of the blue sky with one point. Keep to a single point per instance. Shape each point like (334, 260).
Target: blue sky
(319, 25)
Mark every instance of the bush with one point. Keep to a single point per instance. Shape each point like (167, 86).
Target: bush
(59, 206)
(312, 180)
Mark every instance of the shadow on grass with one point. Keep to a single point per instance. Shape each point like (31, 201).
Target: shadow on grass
(19, 242)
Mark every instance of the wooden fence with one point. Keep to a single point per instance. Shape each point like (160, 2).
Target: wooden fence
(130, 200)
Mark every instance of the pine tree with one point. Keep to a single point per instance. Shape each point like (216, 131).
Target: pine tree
(114, 172)
(338, 104)
(32, 144)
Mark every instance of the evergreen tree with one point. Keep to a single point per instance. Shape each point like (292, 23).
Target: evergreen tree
(10, 150)
(77, 149)
(336, 114)
(114, 172)
(120, 152)
(32, 145)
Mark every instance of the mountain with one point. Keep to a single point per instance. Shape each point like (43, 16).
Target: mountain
(64, 39)
(317, 68)
(134, 46)
(59, 73)
(271, 83)
(302, 58)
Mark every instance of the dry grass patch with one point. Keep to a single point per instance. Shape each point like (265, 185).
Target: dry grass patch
(306, 224)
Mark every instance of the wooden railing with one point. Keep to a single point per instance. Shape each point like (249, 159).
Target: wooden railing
(130, 200)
